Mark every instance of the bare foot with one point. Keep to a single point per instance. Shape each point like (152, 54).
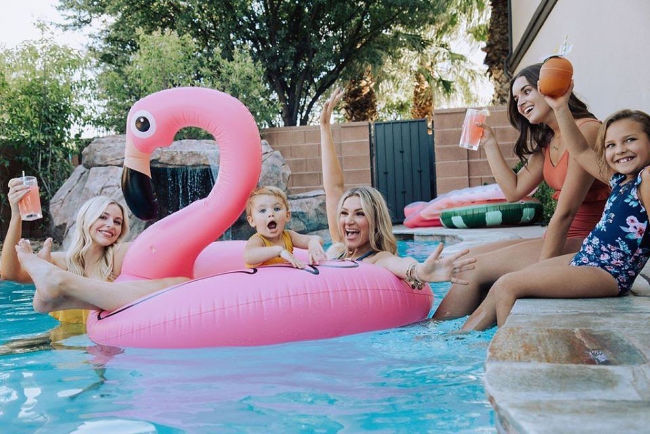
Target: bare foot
(46, 251)
(46, 277)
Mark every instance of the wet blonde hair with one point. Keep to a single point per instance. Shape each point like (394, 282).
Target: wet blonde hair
(380, 226)
(88, 214)
(268, 190)
(638, 116)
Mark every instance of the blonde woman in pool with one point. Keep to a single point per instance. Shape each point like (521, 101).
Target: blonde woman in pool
(96, 252)
(360, 225)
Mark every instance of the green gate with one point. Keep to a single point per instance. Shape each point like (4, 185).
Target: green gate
(403, 167)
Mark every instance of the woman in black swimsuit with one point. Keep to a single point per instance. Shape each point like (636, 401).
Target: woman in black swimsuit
(360, 224)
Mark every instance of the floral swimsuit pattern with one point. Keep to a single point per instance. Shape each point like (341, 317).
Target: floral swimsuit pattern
(619, 243)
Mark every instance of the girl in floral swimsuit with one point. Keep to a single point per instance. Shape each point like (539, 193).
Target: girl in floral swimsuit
(616, 250)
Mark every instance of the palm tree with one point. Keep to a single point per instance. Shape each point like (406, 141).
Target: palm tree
(359, 99)
(496, 50)
(439, 72)
(422, 107)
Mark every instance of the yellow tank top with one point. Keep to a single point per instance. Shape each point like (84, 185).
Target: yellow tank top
(286, 240)
(74, 316)
(71, 316)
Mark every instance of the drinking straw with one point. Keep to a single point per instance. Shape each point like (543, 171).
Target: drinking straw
(24, 180)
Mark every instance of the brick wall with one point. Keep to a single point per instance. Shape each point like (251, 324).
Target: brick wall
(300, 147)
(457, 167)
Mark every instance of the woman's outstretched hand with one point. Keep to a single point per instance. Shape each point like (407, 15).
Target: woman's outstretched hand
(328, 107)
(444, 269)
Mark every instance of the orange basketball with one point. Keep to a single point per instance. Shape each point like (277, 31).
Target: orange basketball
(555, 76)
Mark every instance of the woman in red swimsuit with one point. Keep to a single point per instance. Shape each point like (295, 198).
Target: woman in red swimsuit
(580, 199)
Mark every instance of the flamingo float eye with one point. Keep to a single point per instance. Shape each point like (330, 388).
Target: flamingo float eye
(143, 124)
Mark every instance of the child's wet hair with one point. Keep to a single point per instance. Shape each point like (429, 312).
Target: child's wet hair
(267, 190)
(638, 116)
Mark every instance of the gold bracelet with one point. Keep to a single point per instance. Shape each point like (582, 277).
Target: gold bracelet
(412, 278)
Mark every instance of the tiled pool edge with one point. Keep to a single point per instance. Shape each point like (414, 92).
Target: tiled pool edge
(564, 365)
(572, 366)
(453, 237)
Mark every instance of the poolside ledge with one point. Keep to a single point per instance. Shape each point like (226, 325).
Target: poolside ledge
(565, 366)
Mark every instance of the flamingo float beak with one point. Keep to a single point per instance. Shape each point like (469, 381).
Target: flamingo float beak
(139, 194)
(137, 185)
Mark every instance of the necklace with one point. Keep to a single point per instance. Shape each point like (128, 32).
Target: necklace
(555, 143)
(350, 254)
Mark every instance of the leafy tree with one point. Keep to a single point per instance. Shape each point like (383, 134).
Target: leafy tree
(43, 94)
(304, 47)
(165, 59)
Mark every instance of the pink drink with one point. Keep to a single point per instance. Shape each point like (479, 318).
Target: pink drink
(30, 204)
(471, 134)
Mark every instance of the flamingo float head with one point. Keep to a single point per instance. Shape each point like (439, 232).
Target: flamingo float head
(153, 122)
(142, 137)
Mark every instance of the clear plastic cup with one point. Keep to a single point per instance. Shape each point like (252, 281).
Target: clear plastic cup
(30, 204)
(471, 134)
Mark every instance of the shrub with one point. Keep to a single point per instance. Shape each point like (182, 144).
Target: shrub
(42, 91)
(164, 60)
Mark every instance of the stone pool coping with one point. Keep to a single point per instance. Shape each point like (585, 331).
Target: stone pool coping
(563, 365)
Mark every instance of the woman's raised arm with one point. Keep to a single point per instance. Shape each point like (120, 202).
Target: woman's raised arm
(10, 268)
(578, 146)
(333, 183)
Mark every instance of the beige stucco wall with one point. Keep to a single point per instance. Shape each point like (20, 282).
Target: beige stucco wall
(610, 49)
(523, 11)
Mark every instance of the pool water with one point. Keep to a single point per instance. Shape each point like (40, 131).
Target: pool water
(423, 377)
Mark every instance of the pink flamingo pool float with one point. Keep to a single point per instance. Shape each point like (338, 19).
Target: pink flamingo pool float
(224, 304)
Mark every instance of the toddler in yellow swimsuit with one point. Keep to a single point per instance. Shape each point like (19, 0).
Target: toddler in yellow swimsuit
(267, 210)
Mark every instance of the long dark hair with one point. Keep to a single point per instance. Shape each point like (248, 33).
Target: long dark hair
(533, 138)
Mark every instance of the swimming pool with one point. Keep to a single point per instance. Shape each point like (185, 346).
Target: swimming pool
(424, 377)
